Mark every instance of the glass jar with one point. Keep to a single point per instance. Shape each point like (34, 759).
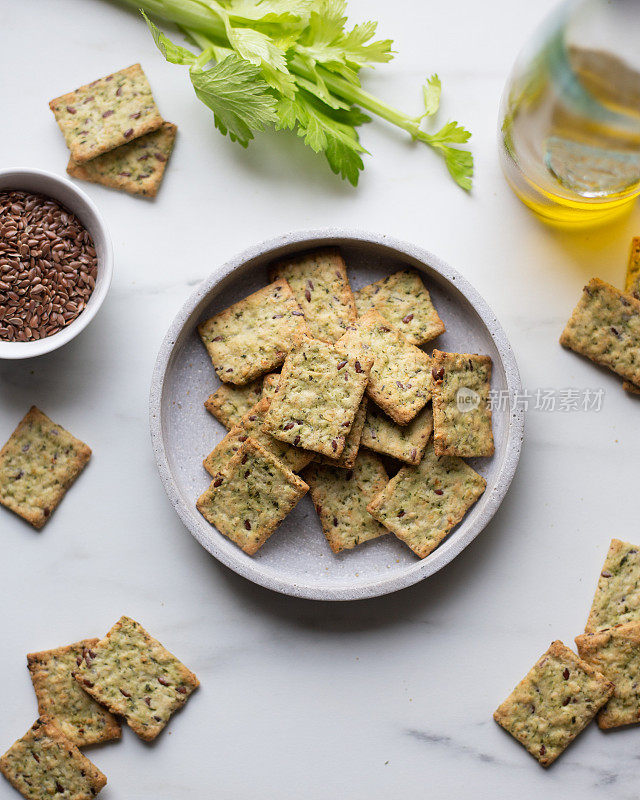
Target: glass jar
(569, 128)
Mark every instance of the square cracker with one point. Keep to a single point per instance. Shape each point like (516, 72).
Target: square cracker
(254, 335)
(616, 654)
(37, 465)
(251, 497)
(348, 456)
(404, 301)
(44, 764)
(341, 496)
(605, 327)
(134, 676)
(422, 504)
(404, 442)
(78, 716)
(321, 286)
(230, 403)
(251, 425)
(461, 411)
(136, 167)
(617, 597)
(106, 113)
(401, 374)
(553, 703)
(318, 397)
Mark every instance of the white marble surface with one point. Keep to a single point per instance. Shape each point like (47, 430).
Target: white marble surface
(380, 699)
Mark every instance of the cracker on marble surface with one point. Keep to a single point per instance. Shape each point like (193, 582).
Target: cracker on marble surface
(617, 597)
(553, 703)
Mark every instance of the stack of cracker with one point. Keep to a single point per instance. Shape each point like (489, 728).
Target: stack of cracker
(605, 325)
(563, 693)
(115, 133)
(82, 690)
(355, 388)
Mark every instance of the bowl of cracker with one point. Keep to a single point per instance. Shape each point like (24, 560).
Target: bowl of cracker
(331, 414)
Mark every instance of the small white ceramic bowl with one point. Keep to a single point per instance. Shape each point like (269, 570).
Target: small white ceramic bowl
(62, 190)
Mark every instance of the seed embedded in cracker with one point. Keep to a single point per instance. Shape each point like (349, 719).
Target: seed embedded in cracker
(252, 495)
(134, 676)
(553, 703)
(461, 411)
(318, 397)
(77, 715)
(251, 425)
(617, 597)
(422, 504)
(230, 403)
(254, 335)
(341, 496)
(137, 167)
(405, 442)
(38, 465)
(615, 653)
(401, 373)
(106, 113)
(404, 301)
(44, 764)
(321, 286)
(605, 327)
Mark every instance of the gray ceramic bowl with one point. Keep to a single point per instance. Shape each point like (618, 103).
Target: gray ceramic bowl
(297, 560)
